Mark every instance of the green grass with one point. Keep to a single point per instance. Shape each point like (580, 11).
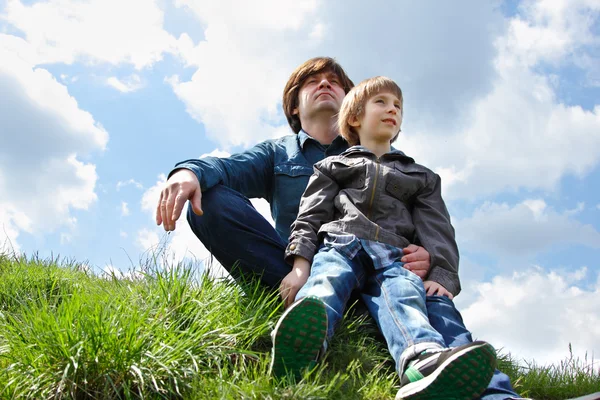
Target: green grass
(66, 333)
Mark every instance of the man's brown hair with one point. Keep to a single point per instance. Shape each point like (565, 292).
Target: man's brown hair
(354, 104)
(292, 87)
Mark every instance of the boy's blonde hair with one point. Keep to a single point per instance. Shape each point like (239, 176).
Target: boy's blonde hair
(355, 100)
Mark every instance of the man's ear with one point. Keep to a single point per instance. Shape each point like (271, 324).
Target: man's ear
(354, 121)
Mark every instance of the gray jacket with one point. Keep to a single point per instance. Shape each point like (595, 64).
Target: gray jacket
(390, 199)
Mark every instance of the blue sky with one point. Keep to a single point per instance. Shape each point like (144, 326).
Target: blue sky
(99, 99)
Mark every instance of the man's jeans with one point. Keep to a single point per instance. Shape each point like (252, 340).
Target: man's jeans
(235, 233)
(394, 296)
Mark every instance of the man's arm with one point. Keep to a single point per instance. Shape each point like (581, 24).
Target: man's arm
(435, 231)
(249, 173)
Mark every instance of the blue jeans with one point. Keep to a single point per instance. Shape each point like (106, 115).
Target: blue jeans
(233, 231)
(394, 296)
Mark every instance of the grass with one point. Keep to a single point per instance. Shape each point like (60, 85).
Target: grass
(66, 333)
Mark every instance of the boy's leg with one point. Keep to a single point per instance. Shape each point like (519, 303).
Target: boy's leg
(241, 239)
(332, 279)
(396, 299)
(298, 337)
(301, 332)
(446, 319)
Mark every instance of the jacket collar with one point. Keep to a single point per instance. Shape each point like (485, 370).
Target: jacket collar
(394, 154)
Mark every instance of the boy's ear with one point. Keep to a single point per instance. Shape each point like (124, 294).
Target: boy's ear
(295, 111)
(353, 121)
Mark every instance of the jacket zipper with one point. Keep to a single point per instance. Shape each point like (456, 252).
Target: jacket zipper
(373, 196)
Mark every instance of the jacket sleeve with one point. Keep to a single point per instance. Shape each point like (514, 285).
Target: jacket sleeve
(249, 172)
(316, 208)
(436, 233)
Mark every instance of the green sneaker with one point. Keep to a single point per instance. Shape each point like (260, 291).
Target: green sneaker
(459, 373)
(298, 337)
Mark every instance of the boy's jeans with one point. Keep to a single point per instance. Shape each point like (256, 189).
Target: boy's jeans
(394, 296)
(234, 231)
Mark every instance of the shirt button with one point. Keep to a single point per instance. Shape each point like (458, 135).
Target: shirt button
(292, 247)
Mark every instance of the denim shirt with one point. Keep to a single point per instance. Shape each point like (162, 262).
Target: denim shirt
(276, 170)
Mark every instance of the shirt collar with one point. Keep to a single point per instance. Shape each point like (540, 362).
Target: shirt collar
(303, 137)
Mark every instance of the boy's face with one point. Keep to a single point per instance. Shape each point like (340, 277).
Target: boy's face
(381, 119)
(321, 92)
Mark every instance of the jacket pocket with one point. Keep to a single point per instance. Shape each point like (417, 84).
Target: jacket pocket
(349, 173)
(405, 182)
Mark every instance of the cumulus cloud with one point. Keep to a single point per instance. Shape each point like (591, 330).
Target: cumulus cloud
(130, 182)
(44, 134)
(536, 314)
(126, 85)
(96, 31)
(519, 135)
(124, 209)
(523, 229)
(236, 90)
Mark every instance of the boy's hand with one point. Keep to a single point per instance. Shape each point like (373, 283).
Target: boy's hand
(417, 260)
(293, 282)
(433, 288)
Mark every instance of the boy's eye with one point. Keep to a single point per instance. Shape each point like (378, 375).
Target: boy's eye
(397, 106)
(379, 101)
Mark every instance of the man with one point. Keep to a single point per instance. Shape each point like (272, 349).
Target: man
(278, 170)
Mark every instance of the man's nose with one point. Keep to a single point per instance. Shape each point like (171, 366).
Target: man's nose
(324, 84)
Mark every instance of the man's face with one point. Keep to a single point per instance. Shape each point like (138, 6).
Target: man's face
(321, 92)
(381, 119)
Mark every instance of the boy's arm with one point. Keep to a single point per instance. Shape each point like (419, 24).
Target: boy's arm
(293, 282)
(436, 233)
(316, 208)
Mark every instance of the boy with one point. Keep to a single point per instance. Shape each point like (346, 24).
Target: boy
(358, 211)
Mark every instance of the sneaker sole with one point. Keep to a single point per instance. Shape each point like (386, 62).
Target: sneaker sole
(464, 376)
(298, 337)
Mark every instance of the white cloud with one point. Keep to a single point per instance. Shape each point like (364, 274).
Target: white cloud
(238, 85)
(48, 180)
(526, 228)
(216, 153)
(127, 85)
(535, 314)
(124, 209)
(123, 234)
(109, 31)
(519, 135)
(131, 182)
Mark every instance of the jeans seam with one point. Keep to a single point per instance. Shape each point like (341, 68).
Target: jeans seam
(387, 302)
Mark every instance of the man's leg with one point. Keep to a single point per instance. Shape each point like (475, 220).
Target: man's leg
(446, 319)
(241, 239)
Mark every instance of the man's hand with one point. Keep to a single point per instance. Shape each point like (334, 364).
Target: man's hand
(182, 186)
(416, 259)
(293, 282)
(433, 288)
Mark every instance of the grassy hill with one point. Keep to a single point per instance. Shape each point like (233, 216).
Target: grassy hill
(67, 333)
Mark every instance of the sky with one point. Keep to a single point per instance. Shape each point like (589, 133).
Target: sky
(100, 98)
